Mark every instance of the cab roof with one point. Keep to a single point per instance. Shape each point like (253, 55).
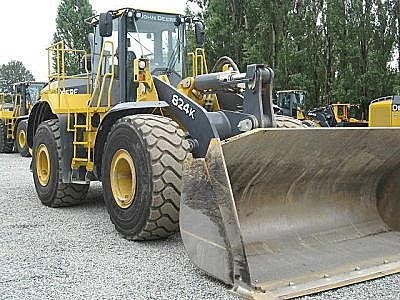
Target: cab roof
(93, 20)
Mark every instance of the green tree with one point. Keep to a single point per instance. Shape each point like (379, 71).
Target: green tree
(13, 72)
(337, 50)
(72, 29)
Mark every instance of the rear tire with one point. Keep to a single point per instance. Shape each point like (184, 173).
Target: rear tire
(142, 164)
(309, 123)
(289, 122)
(47, 172)
(6, 145)
(20, 139)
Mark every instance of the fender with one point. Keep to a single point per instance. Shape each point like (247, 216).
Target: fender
(115, 113)
(40, 112)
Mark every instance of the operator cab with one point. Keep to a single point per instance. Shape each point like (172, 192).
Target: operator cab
(292, 102)
(157, 38)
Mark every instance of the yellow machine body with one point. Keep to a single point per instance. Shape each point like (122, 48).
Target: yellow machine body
(342, 112)
(384, 112)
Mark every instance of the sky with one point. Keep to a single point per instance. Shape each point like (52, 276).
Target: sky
(27, 27)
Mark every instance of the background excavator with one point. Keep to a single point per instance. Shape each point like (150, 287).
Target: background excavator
(264, 208)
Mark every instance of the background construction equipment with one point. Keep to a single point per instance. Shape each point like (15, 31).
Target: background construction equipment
(14, 111)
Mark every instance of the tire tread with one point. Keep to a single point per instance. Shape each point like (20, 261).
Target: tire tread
(68, 194)
(168, 148)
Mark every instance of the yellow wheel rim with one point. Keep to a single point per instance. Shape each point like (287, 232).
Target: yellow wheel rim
(21, 139)
(123, 178)
(43, 165)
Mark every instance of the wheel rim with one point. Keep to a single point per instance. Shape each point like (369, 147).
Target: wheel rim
(123, 178)
(43, 164)
(21, 139)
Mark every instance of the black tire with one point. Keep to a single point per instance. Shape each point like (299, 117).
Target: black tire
(6, 145)
(157, 147)
(22, 147)
(309, 123)
(55, 193)
(289, 122)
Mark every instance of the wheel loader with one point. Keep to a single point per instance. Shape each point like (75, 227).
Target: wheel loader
(6, 116)
(292, 103)
(14, 110)
(260, 206)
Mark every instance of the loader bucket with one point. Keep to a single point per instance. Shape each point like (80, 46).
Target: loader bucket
(280, 213)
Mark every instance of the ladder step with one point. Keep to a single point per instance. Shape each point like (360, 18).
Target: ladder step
(80, 126)
(78, 159)
(81, 143)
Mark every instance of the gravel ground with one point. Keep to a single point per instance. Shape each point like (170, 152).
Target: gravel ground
(75, 253)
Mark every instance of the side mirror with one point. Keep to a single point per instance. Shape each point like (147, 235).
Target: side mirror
(86, 63)
(199, 33)
(106, 24)
(91, 41)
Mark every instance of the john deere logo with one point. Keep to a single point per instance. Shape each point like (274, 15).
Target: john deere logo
(396, 107)
(159, 18)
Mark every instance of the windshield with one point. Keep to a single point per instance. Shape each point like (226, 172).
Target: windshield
(283, 100)
(298, 99)
(355, 112)
(6, 98)
(156, 37)
(6, 101)
(33, 91)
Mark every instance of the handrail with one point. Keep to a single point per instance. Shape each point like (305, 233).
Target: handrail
(198, 58)
(105, 76)
(60, 74)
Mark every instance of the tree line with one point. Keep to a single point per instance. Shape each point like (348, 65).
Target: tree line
(337, 50)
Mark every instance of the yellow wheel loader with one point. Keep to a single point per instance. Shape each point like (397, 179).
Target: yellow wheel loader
(14, 111)
(6, 122)
(265, 204)
(292, 103)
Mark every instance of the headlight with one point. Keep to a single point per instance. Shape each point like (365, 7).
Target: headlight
(142, 64)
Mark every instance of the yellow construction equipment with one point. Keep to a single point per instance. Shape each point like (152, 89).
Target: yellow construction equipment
(385, 112)
(292, 103)
(266, 208)
(348, 115)
(14, 111)
(338, 115)
(6, 122)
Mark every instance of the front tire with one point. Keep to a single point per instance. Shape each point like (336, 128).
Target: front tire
(47, 172)
(20, 139)
(141, 174)
(289, 122)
